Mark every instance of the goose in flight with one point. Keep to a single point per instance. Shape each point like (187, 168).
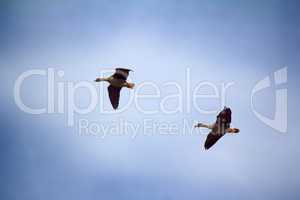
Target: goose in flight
(117, 81)
(219, 128)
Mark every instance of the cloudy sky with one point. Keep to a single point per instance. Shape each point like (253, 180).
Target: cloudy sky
(179, 48)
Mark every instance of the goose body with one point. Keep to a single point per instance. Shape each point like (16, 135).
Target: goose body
(116, 82)
(219, 128)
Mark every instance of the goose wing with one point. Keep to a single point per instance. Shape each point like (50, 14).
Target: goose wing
(114, 95)
(211, 139)
(223, 120)
(121, 73)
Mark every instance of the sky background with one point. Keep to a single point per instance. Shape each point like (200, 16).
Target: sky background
(220, 41)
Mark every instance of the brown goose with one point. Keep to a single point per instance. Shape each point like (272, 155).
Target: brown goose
(117, 81)
(219, 128)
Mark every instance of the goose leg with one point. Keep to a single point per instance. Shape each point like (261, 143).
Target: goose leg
(232, 130)
(129, 85)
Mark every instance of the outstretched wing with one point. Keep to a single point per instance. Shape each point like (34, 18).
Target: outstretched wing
(223, 120)
(211, 139)
(121, 73)
(114, 95)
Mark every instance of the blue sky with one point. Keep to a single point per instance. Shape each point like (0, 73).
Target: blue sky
(220, 42)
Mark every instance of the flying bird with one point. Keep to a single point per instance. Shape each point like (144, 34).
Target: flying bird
(219, 128)
(116, 82)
